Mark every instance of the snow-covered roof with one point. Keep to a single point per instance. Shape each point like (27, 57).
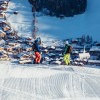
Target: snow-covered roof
(75, 51)
(77, 46)
(95, 48)
(2, 33)
(94, 61)
(1, 20)
(4, 1)
(2, 42)
(3, 6)
(52, 47)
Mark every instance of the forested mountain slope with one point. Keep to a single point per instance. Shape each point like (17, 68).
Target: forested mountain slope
(60, 7)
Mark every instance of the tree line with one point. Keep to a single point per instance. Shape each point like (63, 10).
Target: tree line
(60, 7)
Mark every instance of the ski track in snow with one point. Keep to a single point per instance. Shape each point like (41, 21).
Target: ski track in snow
(28, 83)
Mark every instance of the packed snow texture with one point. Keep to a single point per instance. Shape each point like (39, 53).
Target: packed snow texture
(42, 82)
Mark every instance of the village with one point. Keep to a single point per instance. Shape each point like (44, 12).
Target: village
(16, 48)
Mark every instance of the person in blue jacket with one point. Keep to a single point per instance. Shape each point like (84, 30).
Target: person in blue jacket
(37, 51)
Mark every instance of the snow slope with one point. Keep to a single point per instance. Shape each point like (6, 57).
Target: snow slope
(87, 23)
(36, 82)
(52, 27)
(22, 22)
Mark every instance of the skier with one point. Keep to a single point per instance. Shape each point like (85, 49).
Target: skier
(66, 53)
(37, 51)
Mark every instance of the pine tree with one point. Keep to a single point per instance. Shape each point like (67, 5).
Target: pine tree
(61, 7)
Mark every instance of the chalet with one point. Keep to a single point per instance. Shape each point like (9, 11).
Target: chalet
(3, 8)
(57, 62)
(1, 48)
(4, 2)
(10, 32)
(28, 48)
(24, 57)
(28, 61)
(97, 44)
(74, 41)
(78, 63)
(94, 57)
(46, 59)
(2, 20)
(3, 5)
(95, 51)
(75, 52)
(45, 51)
(29, 38)
(6, 28)
(8, 48)
(28, 42)
(52, 55)
(44, 46)
(2, 43)
(51, 48)
(4, 56)
(94, 62)
(77, 47)
(58, 50)
(2, 15)
(3, 23)
(12, 44)
(2, 34)
(12, 37)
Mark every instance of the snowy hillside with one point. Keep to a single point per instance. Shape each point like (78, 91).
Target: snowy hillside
(87, 23)
(22, 22)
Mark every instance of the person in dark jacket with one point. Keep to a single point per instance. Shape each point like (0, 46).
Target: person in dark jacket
(37, 51)
(66, 53)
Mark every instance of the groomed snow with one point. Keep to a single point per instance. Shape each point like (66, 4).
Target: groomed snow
(41, 82)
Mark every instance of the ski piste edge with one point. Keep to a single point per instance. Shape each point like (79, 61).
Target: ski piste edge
(49, 66)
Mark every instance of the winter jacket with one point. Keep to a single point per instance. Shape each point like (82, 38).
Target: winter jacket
(36, 47)
(67, 49)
